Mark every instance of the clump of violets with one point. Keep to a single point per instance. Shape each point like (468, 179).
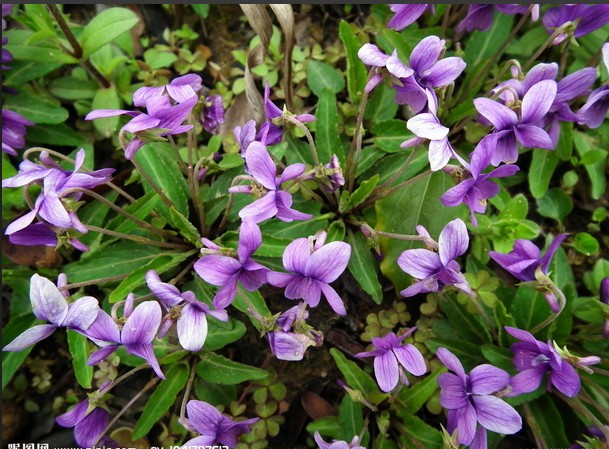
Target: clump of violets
(227, 272)
(337, 444)
(392, 358)
(212, 426)
(192, 313)
(434, 269)
(535, 359)
(49, 304)
(472, 402)
(311, 267)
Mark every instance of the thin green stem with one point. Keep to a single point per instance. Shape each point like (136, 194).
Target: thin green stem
(561, 302)
(118, 277)
(301, 126)
(356, 143)
(549, 41)
(231, 199)
(153, 184)
(577, 405)
(392, 235)
(534, 426)
(136, 238)
(398, 173)
(191, 379)
(388, 191)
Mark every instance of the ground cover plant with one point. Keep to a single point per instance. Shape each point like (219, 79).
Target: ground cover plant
(339, 226)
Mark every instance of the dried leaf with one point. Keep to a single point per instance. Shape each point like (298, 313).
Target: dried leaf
(285, 16)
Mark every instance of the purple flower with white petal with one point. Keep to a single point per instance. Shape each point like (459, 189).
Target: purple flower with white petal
(161, 119)
(436, 269)
(49, 304)
(334, 178)
(88, 420)
(526, 130)
(49, 205)
(274, 202)
(534, 359)
(136, 335)
(406, 14)
(13, 131)
(584, 19)
(270, 133)
(292, 335)
(226, 272)
(311, 267)
(337, 444)
(213, 114)
(391, 358)
(470, 400)
(476, 186)
(42, 234)
(180, 89)
(192, 320)
(244, 135)
(212, 426)
(427, 126)
(430, 72)
(385, 65)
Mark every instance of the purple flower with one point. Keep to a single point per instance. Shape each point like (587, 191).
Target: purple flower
(406, 14)
(180, 90)
(476, 187)
(430, 73)
(292, 335)
(480, 16)
(49, 304)
(42, 234)
(274, 201)
(385, 65)
(509, 128)
(534, 359)
(213, 114)
(588, 17)
(6, 55)
(594, 111)
(161, 119)
(391, 358)
(226, 271)
(192, 320)
(337, 444)
(88, 420)
(244, 135)
(436, 269)
(604, 298)
(270, 133)
(56, 181)
(334, 175)
(136, 335)
(312, 266)
(470, 400)
(13, 131)
(212, 426)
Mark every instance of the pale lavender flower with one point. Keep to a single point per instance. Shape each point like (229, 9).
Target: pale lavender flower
(244, 135)
(88, 420)
(436, 269)
(136, 335)
(526, 130)
(49, 304)
(180, 89)
(337, 444)
(212, 426)
(470, 400)
(43, 234)
(391, 358)
(13, 131)
(192, 319)
(161, 119)
(270, 133)
(480, 16)
(213, 113)
(406, 14)
(604, 298)
(584, 18)
(56, 181)
(534, 359)
(385, 65)
(6, 55)
(594, 111)
(274, 201)
(292, 335)
(226, 272)
(476, 186)
(334, 172)
(311, 267)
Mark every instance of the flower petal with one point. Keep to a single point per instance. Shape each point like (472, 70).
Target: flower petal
(262, 209)
(427, 126)
(496, 415)
(465, 420)
(90, 429)
(145, 351)
(370, 54)
(142, 325)
(47, 301)
(498, 114)
(450, 361)
(73, 416)
(487, 379)
(328, 262)
(30, 337)
(444, 71)
(565, 379)
(533, 137)
(192, 328)
(333, 299)
(426, 53)
(261, 165)
(386, 371)
(411, 359)
(217, 270)
(453, 241)
(169, 294)
(526, 381)
(537, 101)
(82, 313)
(452, 391)
(250, 239)
(296, 255)
(419, 263)
(204, 417)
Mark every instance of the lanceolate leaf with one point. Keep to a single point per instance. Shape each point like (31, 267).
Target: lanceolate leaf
(356, 71)
(218, 369)
(363, 267)
(411, 399)
(327, 137)
(106, 98)
(356, 377)
(162, 399)
(322, 76)
(106, 27)
(220, 334)
(79, 352)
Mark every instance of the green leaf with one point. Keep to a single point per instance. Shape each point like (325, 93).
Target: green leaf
(363, 191)
(220, 334)
(389, 134)
(257, 301)
(327, 137)
(382, 105)
(40, 52)
(201, 9)
(586, 244)
(322, 76)
(542, 168)
(363, 267)
(32, 108)
(356, 377)
(417, 430)
(549, 422)
(564, 147)
(220, 370)
(350, 418)
(356, 71)
(336, 232)
(162, 399)
(71, 88)
(410, 400)
(60, 135)
(117, 259)
(471, 327)
(106, 99)
(105, 27)
(11, 361)
(80, 354)
(160, 263)
(270, 247)
(186, 228)
(555, 204)
(215, 394)
(25, 71)
(140, 208)
(328, 426)
(516, 209)
(584, 144)
(529, 308)
(500, 357)
(468, 353)
(160, 164)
